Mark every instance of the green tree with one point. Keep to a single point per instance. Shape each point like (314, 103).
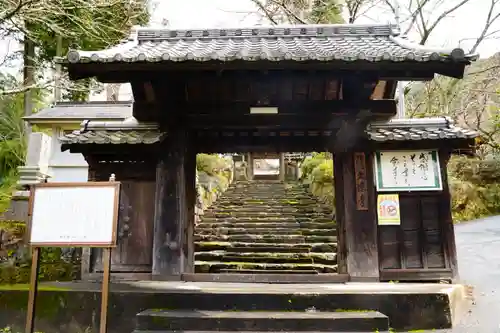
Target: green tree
(55, 26)
(52, 27)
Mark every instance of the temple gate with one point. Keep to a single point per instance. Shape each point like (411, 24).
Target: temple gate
(269, 90)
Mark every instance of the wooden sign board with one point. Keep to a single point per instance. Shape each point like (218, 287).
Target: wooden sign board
(74, 214)
(417, 170)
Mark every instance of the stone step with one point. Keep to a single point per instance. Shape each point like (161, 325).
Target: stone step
(265, 196)
(158, 320)
(216, 266)
(295, 239)
(269, 271)
(267, 219)
(264, 247)
(223, 201)
(310, 257)
(244, 231)
(236, 230)
(269, 209)
(279, 225)
(257, 214)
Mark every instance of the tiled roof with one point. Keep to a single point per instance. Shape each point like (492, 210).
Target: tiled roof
(417, 129)
(394, 130)
(348, 42)
(112, 137)
(72, 111)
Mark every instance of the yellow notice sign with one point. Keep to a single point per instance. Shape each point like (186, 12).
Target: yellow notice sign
(388, 209)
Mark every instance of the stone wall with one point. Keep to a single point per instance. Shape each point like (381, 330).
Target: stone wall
(317, 175)
(214, 174)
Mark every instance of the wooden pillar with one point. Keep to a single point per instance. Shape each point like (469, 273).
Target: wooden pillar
(338, 179)
(282, 169)
(448, 228)
(190, 172)
(171, 218)
(250, 166)
(355, 195)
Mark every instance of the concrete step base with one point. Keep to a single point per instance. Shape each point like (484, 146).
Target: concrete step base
(261, 321)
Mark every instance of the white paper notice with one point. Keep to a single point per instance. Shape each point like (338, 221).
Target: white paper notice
(73, 215)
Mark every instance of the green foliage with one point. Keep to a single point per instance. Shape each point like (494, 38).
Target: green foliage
(211, 164)
(326, 11)
(15, 258)
(309, 164)
(13, 140)
(317, 171)
(323, 172)
(475, 188)
(9, 330)
(56, 26)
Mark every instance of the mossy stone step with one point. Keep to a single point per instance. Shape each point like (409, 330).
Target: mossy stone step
(266, 219)
(264, 247)
(269, 260)
(269, 209)
(256, 202)
(297, 239)
(214, 267)
(244, 231)
(268, 271)
(282, 225)
(272, 257)
(266, 196)
(237, 213)
(256, 230)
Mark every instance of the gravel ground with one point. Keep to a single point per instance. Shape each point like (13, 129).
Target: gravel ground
(478, 246)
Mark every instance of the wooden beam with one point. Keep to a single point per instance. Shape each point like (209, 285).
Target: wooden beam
(390, 89)
(382, 108)
(403, 71)
(274, 122)
(169, 257)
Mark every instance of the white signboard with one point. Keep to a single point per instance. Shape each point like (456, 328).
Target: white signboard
(417, 170)
(74, 214)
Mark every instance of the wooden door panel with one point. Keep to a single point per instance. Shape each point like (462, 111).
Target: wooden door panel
(135, 230)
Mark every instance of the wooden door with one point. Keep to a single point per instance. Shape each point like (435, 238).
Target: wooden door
(135, 230)
(417, 246)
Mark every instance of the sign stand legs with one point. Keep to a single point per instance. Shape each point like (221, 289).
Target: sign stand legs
(105, 290)
(30, 313)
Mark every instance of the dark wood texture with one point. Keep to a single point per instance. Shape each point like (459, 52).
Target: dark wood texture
(360, 226)
(171, 216)
(383, 70)
(133, 254)
(135, 230)
(418, 242)
(338, 183)
(447, 219)
(190, 173)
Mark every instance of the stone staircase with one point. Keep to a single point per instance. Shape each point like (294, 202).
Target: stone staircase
(266, 227)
